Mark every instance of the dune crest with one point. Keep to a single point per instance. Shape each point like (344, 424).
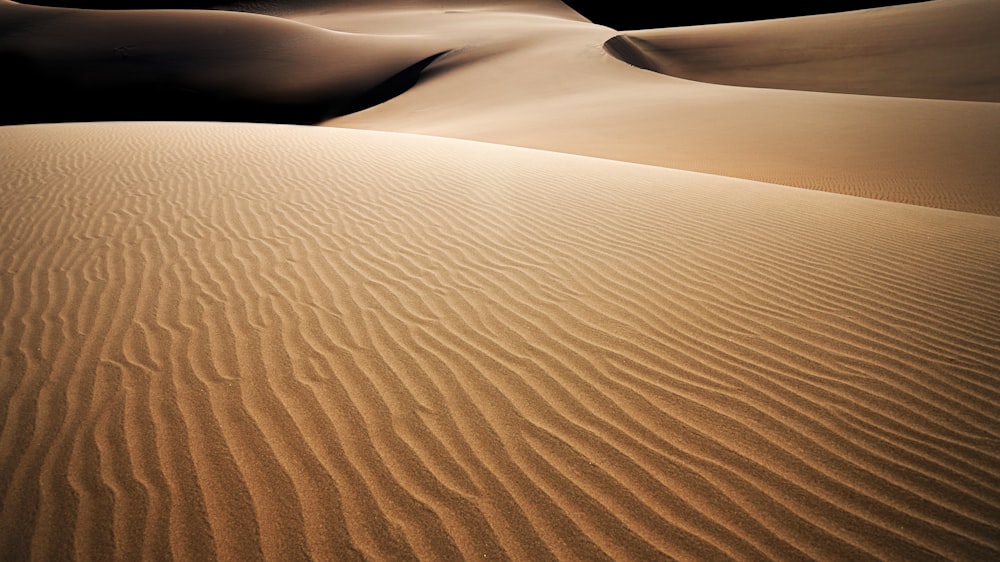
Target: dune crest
(939, 50)
(273, 342)
(94, 65)
(548, 83)
(531, 75)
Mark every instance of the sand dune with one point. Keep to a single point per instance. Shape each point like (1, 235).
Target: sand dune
(545, 82)
(533, 75)
(938, 50)
(247, 341)
(253, 341)
(91, 65)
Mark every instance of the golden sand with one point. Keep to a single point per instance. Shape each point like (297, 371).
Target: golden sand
(247, 341)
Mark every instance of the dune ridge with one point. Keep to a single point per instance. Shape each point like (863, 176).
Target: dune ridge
(549, 83)
(934, 50)
(243, 341)
(535, 74)
(65, 64)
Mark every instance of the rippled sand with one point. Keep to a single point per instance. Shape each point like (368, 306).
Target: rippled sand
(274, 341)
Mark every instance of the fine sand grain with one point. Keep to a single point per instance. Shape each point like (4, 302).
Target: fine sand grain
(261, 341)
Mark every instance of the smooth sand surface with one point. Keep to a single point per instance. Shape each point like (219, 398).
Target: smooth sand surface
(544, 82)
(87, 65)
(247, 341)
(936, 50)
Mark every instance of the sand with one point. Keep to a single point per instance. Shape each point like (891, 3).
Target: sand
(248, 341)
(551, 84)
(933, 50)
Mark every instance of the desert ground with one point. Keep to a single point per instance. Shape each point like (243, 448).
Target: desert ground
(484, 280)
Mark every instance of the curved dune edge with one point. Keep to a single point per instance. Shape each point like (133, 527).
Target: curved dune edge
(554, 8)
(939, 50)
(63, 65)
(540, 82)
(515, 72)
(261, 341)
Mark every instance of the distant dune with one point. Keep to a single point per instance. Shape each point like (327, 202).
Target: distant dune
(87, 65)
(618, 315)
(547, 83)
(936, 50)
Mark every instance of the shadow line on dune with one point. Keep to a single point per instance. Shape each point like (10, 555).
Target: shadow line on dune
(623, 48)
(46, 97)
(390, 88)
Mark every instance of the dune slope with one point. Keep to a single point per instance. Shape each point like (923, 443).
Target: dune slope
(535, 74)
(547, 82)
(260, 341)
(91, 65)
(938, 50)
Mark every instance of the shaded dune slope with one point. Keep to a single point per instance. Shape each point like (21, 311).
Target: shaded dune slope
(533, 74)
(942, 50)
(92, 65)
(550, 7)
(258, 341)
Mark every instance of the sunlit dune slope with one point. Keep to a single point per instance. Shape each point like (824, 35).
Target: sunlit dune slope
(546, 82)
(535, 74)
(942, 50)
(369, 341)
(259, 341)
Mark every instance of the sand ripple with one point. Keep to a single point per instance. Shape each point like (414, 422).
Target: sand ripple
(261, 341)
